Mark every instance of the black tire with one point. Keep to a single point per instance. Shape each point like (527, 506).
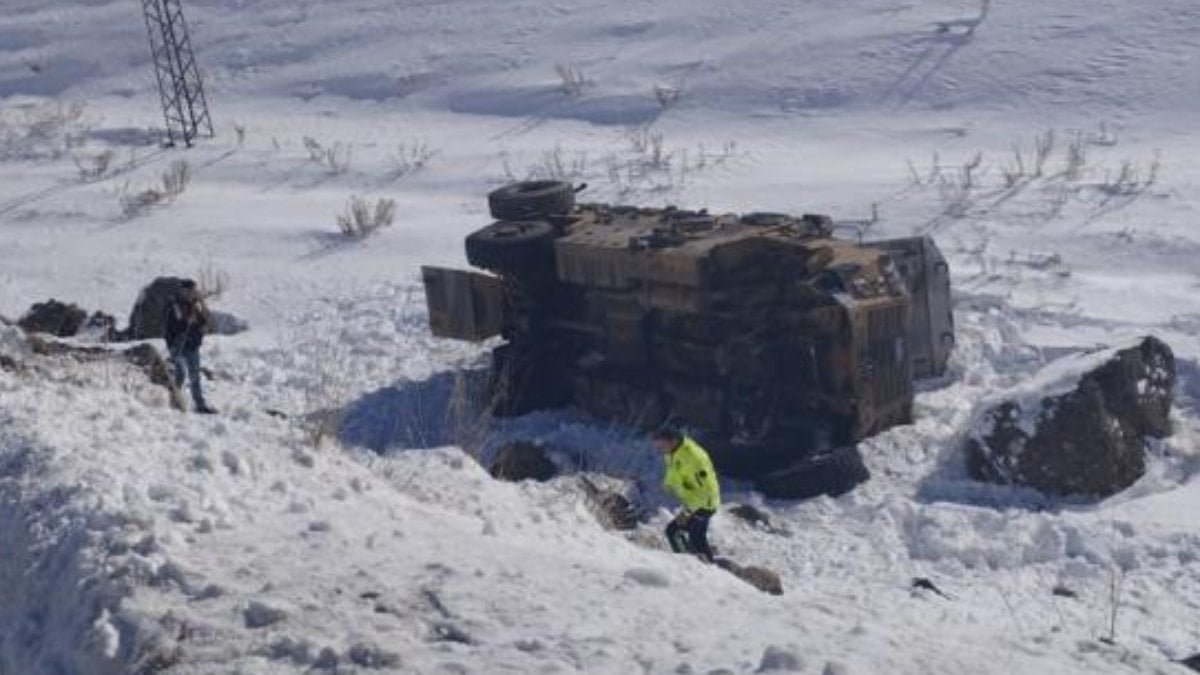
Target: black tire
(828, 472)
(511, 245)
(532, 200)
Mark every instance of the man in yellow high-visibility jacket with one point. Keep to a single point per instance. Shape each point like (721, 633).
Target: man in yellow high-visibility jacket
(690, 477)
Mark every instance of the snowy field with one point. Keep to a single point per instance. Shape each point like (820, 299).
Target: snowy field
(135, 539)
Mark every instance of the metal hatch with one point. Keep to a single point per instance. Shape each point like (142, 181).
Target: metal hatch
(463, 305)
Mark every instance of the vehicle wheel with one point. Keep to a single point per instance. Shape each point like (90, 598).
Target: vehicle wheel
(531, 199)
(827, 472)
(510, 245)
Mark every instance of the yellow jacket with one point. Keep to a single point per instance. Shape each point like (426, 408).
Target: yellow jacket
(691, 478)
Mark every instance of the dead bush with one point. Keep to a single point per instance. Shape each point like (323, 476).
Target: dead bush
(361, 220)
(46, 131)
(135, 202)
(667, 96)
(335, 158)
(572, 80)
(176, 178)
(94, 167)
(410, 158)
(211, 282)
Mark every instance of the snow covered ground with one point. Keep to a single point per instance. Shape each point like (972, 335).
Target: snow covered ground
(136, 539)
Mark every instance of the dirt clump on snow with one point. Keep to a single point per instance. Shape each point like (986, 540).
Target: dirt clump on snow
(613, 509)
(55, 318)
(522, 460)
(776, 659)
(258, 614)
(761, 578)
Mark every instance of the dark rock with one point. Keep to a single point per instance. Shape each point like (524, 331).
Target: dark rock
(444, 631)
(835, 668)
(53, 317)
(370, 655)
(150, 362)
(1192, 662)
(530, 646)
(523, 460)
(1064, 592)
(260, 615)
(612, 509)
(326, 660)
(832, 472)
(146, 319)
(922, 583)
(761, 578)
(618, 512)
(100, 327)
(777, 660)
(298, 651)
(1090, 440)
(750, 514)
(47, 347)
(208, 592)
(756, 518)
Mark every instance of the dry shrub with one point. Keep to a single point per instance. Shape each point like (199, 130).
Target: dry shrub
(361, 220)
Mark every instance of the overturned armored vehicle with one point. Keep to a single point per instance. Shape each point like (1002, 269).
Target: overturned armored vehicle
(777, 344)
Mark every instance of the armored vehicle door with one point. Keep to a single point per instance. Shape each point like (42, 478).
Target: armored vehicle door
(463, 305)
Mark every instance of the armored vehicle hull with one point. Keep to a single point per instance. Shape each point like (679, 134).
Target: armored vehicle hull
(771, 339)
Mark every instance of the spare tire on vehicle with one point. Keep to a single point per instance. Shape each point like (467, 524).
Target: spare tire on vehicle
(510, 245)
(532, 200)
(827, 472)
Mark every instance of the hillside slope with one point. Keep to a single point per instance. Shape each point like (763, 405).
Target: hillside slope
(133, 538)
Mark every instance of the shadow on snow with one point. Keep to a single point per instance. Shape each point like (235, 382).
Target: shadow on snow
(447, 409)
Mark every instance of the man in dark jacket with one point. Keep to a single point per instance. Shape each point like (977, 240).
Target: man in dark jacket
(183, 329)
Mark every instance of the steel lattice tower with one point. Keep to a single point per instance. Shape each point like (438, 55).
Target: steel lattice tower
(179, 84)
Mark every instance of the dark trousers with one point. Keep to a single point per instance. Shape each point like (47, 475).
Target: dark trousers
(691, 535)
(187, 362)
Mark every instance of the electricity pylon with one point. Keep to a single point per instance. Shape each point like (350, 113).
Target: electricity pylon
(179, 85)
